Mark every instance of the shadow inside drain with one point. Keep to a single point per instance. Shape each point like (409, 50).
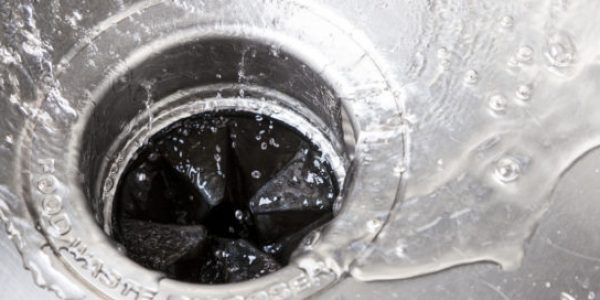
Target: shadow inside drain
(222, 197)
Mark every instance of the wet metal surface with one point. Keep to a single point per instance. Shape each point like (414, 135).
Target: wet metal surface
(480, 114)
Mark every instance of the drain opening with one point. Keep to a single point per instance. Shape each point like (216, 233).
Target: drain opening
(215, 80)
(222, 197)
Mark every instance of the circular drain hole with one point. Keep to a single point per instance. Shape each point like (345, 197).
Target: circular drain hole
(117, 92)
(222, 197)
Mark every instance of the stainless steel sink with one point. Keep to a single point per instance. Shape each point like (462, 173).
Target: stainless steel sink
(462, 133)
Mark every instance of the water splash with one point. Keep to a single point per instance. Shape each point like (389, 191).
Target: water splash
(497, 174)
(484, 200)
(25, 237)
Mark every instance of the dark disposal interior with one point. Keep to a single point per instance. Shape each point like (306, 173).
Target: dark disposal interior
(222, 197)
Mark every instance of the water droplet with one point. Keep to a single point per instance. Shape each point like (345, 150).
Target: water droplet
(471, 77)
(498, 103)
(275, 50)
(400, 249)
(141, 177)
(256, 174)
(548, 284)
(566, 296)
(219, 253)
(443, 53)
(273, 143)
(251, 258)
(263, 146)
(374, 225)
(591, 295)
(239, 214)
(219, 76)
(258, 118)
(508, 169)
(524, 54)
(560, 51)
(399, 170)
(507, 22)
(319, 203)
(524, 92)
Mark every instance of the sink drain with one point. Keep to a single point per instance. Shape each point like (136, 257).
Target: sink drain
(222, 197)
(140, 77)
